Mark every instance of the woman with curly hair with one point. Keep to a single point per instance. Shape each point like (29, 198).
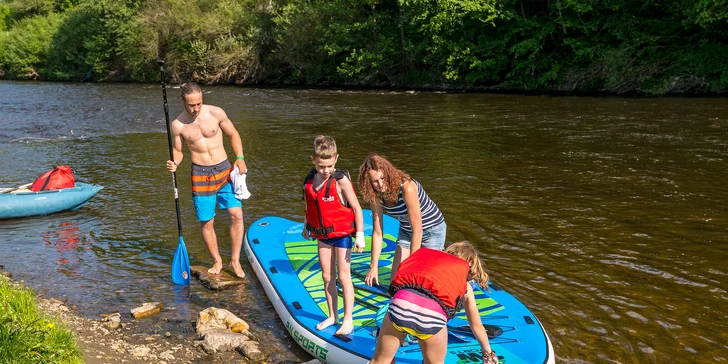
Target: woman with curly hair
(393, 191)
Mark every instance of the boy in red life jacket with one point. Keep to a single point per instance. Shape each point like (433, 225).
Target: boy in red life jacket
(429, 288)
(333, 214)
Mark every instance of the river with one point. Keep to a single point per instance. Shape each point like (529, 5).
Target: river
(606, 216)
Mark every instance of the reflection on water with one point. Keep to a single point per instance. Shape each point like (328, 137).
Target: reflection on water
(66, 237)
(606, 216)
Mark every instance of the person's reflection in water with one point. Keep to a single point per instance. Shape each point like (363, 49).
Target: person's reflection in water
(66, 238)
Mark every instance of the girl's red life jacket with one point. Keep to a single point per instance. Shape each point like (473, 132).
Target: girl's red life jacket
(438, 275)
(326, 215)
(55, 179)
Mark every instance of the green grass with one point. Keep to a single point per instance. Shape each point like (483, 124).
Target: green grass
(29, 336)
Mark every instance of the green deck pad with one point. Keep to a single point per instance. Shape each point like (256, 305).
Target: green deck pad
(303, 256)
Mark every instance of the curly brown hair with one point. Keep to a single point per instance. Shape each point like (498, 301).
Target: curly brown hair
(393, 178)
(466, 251)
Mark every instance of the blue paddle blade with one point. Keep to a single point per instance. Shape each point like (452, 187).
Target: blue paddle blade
(181, 265)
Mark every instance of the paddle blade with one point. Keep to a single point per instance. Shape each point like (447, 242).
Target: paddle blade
(181, 265)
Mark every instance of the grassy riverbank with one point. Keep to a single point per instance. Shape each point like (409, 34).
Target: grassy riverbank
(31, 332)
(637, 47)
(27, 334)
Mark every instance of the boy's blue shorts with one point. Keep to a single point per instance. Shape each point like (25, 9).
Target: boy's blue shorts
(205, 205)
(342, 242)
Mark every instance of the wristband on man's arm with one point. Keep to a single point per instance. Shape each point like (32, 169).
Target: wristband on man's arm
(240, 157)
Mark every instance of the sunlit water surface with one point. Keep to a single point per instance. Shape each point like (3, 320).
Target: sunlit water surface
(606, 216)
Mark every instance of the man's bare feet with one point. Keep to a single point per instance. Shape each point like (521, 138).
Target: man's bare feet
(238, 269)
(326, 323)
(216, 268)
(345, 328)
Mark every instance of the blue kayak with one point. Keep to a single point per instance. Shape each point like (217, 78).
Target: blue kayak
(287, 266)
(25, 203)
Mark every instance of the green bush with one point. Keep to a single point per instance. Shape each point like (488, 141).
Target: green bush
(651, 46)
(80, 45)
(24, 48)
(4, 17)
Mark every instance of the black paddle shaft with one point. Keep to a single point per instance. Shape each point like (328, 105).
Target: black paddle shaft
(169, 141)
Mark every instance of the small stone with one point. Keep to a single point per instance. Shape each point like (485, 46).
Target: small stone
(167, 334)
(217, 340)
(239, 326)
(147, 309)
(215, 282)
(113, 317)
(251, 350)
(140, 351)
(167, 355)
(218, 318)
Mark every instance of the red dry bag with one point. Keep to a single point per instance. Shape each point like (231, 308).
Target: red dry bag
(55, 179)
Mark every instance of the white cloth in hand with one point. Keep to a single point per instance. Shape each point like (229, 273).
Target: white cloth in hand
(359, 240)
(239, 186)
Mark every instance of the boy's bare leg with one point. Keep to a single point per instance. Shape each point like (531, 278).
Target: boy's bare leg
(343, 258)
(236, 236)
(328, 271)
(208, 235)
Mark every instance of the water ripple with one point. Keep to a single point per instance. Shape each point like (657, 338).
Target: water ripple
(603, 215)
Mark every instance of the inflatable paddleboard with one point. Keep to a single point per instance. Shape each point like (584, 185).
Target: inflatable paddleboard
(287, 266)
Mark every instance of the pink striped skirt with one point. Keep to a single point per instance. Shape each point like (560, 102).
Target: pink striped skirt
(416, 314)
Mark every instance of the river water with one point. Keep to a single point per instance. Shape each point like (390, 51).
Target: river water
(606, 216)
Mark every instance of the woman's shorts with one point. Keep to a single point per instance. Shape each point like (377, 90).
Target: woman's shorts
(432, 238)
(415, 314)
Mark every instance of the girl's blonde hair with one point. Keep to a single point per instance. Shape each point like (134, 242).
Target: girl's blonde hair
(466, 251)
(393, 178)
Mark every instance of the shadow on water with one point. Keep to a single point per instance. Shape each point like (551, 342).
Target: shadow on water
(606, 216)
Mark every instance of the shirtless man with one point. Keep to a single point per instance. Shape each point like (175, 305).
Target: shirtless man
(201, 126)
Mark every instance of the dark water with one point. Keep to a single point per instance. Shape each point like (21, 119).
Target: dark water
(606, 216)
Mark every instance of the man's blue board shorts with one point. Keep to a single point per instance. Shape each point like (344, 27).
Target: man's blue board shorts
(210, 186)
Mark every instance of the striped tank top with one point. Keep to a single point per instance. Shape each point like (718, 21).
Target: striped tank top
(431, 215)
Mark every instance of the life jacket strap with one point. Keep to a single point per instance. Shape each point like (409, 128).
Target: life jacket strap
(320, 231)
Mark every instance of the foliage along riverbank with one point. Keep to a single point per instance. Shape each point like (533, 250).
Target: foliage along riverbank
(36, 329)
(27, 334)
(613, 46)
